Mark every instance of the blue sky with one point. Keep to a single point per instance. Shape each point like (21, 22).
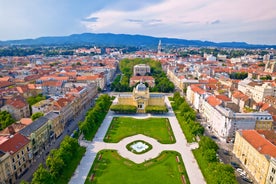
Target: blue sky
(252, 21)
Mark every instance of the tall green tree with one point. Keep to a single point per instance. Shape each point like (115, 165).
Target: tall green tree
(42, 176)
(5, 119)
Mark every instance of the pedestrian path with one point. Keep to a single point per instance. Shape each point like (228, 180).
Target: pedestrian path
(181, 146)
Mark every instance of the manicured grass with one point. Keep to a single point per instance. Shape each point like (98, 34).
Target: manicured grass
(157, 128)
(111, 168)
(69, 171)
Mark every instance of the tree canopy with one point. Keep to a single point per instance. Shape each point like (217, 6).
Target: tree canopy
(5, 119)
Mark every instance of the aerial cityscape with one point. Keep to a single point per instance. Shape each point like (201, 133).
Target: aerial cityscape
(156, 91)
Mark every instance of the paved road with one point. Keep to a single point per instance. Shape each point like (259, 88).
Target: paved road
(180, 146)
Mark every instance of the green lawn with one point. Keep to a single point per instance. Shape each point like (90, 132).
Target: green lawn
(157, 128)
(68, 173)
(112, 168)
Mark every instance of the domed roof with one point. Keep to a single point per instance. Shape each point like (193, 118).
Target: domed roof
(141, 87)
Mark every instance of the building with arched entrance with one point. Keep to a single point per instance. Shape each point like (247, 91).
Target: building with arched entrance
(141, 98)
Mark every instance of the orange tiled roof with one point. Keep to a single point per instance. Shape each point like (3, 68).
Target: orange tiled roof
(52, 83)
(223, 98)
(14, 144)
(197, 89)
(259, 142)
(142, 78)
(213, 101)
(17, 102)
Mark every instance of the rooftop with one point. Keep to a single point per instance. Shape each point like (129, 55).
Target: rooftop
(259, 142)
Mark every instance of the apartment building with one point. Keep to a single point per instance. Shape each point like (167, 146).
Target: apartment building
(255, 152)
(16, 157)
(17, 107)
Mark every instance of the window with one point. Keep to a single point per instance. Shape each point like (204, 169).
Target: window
(273, 170)
(14, 167)
(17, 156)
(271, 178)
(22, 152)
(13, 160)
(19, 163)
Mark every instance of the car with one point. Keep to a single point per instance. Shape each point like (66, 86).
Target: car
(225, 152)
(241, 172)
(214, 137)
(244, 178)
(235, 165)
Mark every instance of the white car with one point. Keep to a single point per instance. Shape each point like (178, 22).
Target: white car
(241, 172)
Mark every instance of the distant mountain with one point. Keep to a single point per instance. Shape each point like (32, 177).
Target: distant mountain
(109, 39)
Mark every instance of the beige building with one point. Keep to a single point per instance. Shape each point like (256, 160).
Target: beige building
(16, 157)
(255, 152)
(141, 98)
(141, 69)
(271, 175)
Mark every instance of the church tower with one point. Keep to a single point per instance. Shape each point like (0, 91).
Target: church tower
(159, 48)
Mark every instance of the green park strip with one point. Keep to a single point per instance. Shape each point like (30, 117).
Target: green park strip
(157, 128)
(69, 171)
(110, 167)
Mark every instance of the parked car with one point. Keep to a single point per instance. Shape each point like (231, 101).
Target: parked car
(235, 165)
(214, 137)
(241, 172)
(244, 178)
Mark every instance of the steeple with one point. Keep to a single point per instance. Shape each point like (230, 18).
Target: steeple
(159, 48)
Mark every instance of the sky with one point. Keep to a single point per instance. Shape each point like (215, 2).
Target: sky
(251, 21)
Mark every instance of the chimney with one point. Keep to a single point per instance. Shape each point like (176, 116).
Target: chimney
(11, 130)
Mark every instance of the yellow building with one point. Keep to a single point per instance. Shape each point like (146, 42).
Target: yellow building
(141, 98)
(255, 152)
(15, 158)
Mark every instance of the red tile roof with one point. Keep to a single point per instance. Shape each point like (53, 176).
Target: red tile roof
(223, 98)
(213, 101)
(259, 142)
(197, 89)
(14, 144)
(17, 102)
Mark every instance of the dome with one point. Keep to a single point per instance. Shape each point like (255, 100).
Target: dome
(141, 87)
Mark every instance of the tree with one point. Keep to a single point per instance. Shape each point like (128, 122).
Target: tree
(37, 115)
(206, 143)
(55, 163)
(210, 155)
(42, 176)
(5, 119)
(34, 99)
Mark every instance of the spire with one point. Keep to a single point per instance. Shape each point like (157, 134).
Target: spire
(159, 48)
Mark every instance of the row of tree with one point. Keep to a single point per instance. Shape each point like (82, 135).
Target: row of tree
(238, 75)
(95, 116)
(57, 162)
(206, 154)
(125, 109)
(187, 116)
(214, 171)
(156, 109)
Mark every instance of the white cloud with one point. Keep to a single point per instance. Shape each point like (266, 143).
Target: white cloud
(197, 19)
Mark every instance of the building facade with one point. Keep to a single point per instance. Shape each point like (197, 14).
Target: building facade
(141, 98)
(255, 152)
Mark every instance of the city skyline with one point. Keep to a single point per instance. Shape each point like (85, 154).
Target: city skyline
(251, 21)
